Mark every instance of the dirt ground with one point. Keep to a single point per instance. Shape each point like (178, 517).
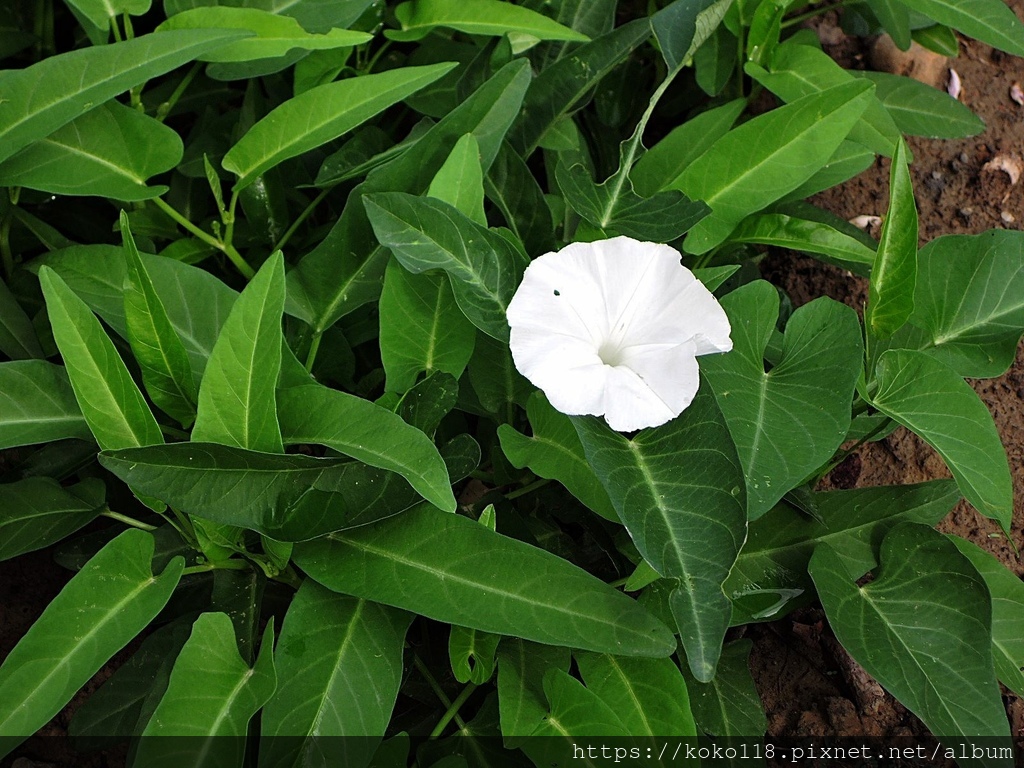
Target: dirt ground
(805, 679)
(809, 686)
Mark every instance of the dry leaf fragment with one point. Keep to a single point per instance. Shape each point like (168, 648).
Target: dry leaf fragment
(1017, 94)
(866, 221)
(1009, 164)
(954, 87)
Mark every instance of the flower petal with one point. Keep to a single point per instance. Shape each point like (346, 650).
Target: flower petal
(613, 328)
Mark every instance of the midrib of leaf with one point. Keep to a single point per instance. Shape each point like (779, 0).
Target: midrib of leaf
(475, 278)
(31, 114)
(632, 695)
(97, 374)
(753, 168)
(342, 291)
(761, 407)
(109, 616)
(432, 339)
(222, 714)
(892, 633)
(462, 581)
(350, 106)
(346, 641)
(96, 159)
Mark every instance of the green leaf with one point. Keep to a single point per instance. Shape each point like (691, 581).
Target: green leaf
(460, 181)
(521, 669)
(453, 569)
(166, 370)
(236, 399)
(745, 170)
(319, 115)
(895, 19)
(339, 662)
(100, 610)
(797, 234)
(314, 414)
(113, 406)
(662, 166)
(121, 707)
(344, 271)
(41, 98)
(683, 26)
(922, 629)
(210, 699)
(101, 12)
(678, 489)
(476, 17)
(422, 329)
(37, 405)
(715, 61)
(429, 401)
(989, 21)
(788, 421)
(969, 302)
(920, 110)
(494, 378)
(614, 206)
(428, 234)
(932, 401)
(274, 35)
(729, 705)
(555, 452)
(849, 160)
(648, 695)
(1007, 593)
(556, 91)
(108, 152)
(37, 511)
(891, 292)
(938, 38)
(288, 498)
(803, 70)
(574, 711)
(197, 303)
(18, 339)
(471, 653)
(771, 571)
(512, 187)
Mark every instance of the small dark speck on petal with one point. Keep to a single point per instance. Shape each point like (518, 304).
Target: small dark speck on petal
(557, 293)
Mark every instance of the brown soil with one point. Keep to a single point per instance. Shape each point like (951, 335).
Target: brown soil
(807, 682)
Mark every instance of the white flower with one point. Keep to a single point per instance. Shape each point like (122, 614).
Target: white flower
(614, 328)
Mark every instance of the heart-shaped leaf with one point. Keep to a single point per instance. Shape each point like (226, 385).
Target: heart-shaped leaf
(787, 421)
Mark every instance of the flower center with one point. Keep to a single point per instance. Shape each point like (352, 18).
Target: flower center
(610, 354)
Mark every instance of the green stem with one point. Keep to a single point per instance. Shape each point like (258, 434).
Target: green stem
(229, 221)
(115, 29)
(741, 55)
(527, 489)
(174, 432)
(220, 565)
(633, 147)
(452, 711)
(6, 254)
(164, 109)
(226, 248)
(301, 218)
(435, 686)
(128, 520)
(618, 582)
(314, 347)
(376, 57)
(794, 20)
(839, 459)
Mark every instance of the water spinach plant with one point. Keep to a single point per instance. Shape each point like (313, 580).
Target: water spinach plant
(257, 389)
